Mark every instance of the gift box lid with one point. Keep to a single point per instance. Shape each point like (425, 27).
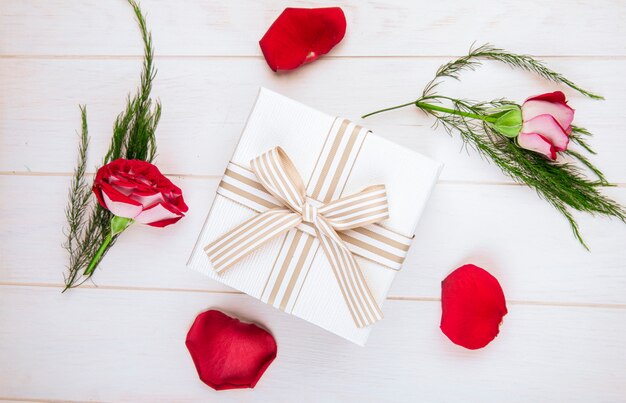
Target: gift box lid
(308, 288)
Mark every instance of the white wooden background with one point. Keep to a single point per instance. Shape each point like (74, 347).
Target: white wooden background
(563, 339)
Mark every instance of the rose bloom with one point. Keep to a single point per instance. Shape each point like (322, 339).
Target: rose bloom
(547, 124)
(137, 190)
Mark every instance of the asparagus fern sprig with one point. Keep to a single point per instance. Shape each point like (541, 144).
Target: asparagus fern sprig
(78, 205)
(562, 183)
(88, 224)
(487, 51)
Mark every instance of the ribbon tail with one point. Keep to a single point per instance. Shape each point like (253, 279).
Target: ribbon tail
(226, 251)
(361, 303)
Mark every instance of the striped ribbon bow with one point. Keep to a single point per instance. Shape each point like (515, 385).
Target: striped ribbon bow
(279, 176)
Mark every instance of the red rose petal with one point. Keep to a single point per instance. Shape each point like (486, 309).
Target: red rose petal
(473, 305)
(229, 354)
(556, 96)
(301, 35)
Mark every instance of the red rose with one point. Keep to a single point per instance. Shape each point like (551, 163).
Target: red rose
(137, 190)
(547, 124)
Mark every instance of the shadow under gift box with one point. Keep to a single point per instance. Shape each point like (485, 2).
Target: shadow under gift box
(307, 287)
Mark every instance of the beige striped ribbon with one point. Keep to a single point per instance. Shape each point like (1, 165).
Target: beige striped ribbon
(281, 194)
(372, 242)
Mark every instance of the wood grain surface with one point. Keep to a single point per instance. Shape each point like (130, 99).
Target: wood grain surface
(122, 338)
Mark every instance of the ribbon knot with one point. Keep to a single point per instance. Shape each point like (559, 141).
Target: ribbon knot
(309, 213)
(279, 177)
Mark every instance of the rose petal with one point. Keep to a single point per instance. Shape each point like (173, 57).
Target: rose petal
(119, 204)
(553, 103)
(227, 353)
(158, 214)
(98, 192)
(562, 113)
(301, 35)
(147, 199)
(472, 305)
(556, 96)
(548, 128)
(123, 188)
(535, 142)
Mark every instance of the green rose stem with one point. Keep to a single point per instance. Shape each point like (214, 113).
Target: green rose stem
(424, 105)
(505, 119)
(118, 225)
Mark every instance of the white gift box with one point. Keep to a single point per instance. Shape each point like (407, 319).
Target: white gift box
(306, 286)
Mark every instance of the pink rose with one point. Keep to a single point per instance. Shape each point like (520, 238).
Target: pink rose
(547, 124)
(137, 190)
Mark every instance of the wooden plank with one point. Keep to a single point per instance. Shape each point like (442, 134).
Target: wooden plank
(206, 103)
(119, 345)
(505, 229)
(124, 341)
(390, 28)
